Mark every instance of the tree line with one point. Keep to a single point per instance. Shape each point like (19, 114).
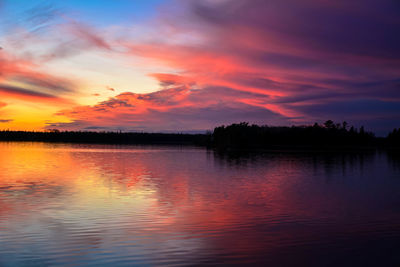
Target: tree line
(235, 136)
(91, 137)
(326, 135)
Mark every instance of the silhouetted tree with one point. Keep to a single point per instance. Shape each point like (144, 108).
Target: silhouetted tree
(362, 131)
(329, 124)
(393, 138)
(344, 125)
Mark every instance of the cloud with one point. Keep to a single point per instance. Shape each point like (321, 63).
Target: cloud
(270, 62)
(172, 109)
(22, 58)
(74, 38)
(26, 94)
(47, 25)
(21, 78)
(5, 121)
(289, 55)
(275, 61)
(87, 35)
(167, 80)
(42, 81)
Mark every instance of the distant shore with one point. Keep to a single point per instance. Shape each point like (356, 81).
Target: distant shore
(328, 136)
(86, 137)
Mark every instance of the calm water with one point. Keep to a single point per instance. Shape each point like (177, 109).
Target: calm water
(123, 205)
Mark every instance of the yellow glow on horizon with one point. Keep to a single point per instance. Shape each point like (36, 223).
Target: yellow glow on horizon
(88, 76)
(29, 117)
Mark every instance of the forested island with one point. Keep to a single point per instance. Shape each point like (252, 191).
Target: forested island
(234, 136)
(327, 135)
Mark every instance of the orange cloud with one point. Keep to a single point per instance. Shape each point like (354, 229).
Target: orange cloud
(19, 79)
(175, 108)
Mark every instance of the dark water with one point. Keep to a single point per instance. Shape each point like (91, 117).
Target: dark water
(97, 205)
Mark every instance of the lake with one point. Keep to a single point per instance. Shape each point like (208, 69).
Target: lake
(94, 205)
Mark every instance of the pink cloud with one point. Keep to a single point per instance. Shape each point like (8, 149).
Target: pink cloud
(293, 54)
(76, 38)
(268, 62)
(32, 84)
(177, 108)
(88, 35)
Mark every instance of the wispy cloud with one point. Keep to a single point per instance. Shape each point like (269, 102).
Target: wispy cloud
(269, 62)
(20, 78)
(42, 34)
(24, 93)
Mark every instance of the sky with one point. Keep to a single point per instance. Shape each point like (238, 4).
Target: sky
(192, 65)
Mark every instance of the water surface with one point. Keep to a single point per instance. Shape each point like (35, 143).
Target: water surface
(94, 205)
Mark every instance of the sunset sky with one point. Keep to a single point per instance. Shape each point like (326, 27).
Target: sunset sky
(191, 65)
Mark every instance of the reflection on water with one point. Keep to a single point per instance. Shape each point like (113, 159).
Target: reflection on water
(125, 205)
